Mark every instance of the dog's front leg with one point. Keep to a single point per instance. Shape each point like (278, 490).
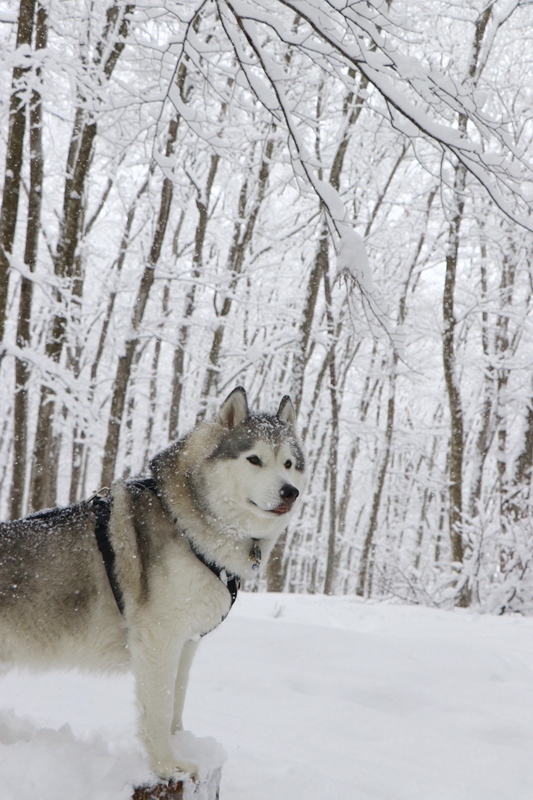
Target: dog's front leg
(182, 679)
(155, 665)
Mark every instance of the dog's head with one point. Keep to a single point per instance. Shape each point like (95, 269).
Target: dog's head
(256, 469)
(246, 470)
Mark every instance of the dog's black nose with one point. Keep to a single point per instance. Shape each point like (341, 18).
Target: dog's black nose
(289, 492)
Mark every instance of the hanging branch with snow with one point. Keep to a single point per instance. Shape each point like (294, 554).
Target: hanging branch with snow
(417, 99)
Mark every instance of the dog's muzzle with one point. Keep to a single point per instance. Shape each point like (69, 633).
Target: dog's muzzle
(288, 494)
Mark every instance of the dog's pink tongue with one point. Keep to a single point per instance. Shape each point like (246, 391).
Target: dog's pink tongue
(282, 508)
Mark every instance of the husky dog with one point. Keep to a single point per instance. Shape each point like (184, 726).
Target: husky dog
(135, 575)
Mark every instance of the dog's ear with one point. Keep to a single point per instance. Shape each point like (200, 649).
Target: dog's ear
(286, 412)
(234, 409)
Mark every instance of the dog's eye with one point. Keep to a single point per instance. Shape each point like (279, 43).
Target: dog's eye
(288, 464)
(255, 460)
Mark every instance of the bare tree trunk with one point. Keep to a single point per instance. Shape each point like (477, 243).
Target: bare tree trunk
(202, 204)
(485, 431)
(519, 486)
(14, 152)
(306, 322)
(504, 347)
(108, 50)
(275, 571)
(364, 405)
(366, 564)
(331, 564)
(153, 382)
(353, 106)
(428, 498)
(44, 467)
(276, 577)
(497, 347)
(453, 392)
(22, 372)
(125, 360)
(79, 444)
(240, 244)
(449, 363)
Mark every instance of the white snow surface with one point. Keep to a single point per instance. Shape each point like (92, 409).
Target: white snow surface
(309, 697)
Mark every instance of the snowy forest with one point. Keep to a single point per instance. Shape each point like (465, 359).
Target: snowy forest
(324, 198)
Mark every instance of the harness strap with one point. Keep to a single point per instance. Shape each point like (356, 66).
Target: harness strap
(101, 505)
(145, 483)
(102, 510)
(231, 581)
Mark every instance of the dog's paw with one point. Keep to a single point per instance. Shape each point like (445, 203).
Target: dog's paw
(167, 770)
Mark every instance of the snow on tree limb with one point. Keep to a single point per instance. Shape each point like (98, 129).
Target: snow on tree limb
(419, 100)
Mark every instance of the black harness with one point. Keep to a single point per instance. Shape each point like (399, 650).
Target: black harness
(231, 581)
(101, 506)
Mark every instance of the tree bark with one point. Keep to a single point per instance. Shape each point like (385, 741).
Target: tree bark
(14, 154)
(242, 236)
(202, 205)
(366, 563)
(453, 392)
(108, 50)
(125, 360)
(449, 358)
(22, 372)
(331, 559)
(450, 373)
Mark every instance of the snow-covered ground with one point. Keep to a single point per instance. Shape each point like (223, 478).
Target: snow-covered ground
(310, 697)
